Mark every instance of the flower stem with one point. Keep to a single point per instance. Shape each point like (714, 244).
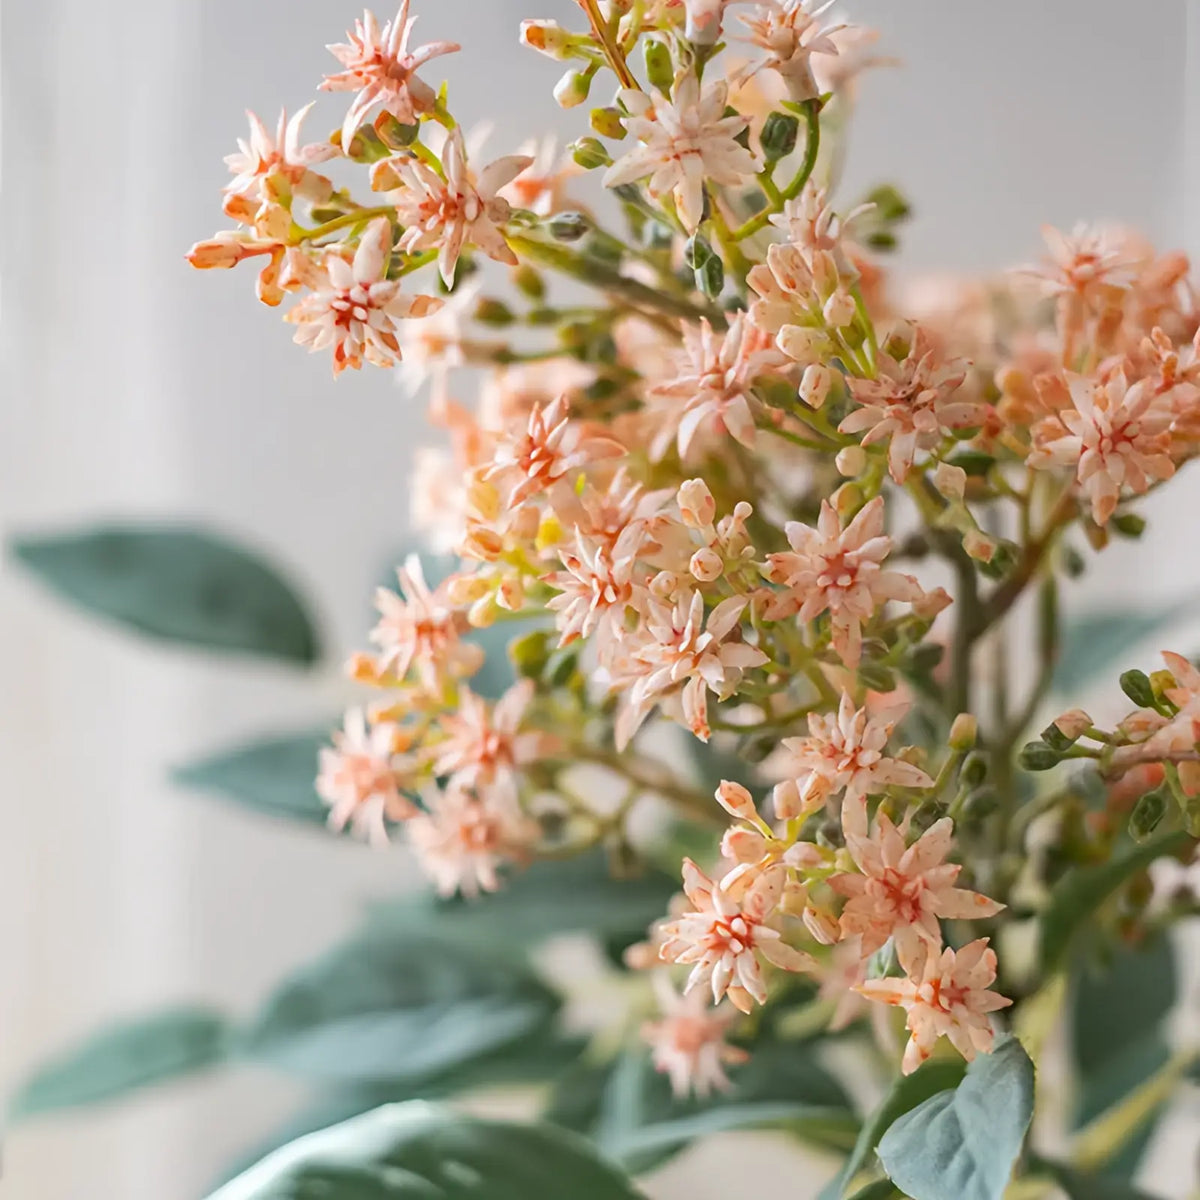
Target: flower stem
(812, 144)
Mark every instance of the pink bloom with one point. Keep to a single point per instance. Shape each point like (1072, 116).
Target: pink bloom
(787, 291)
(552, 446)
(264, 156)
(541, 186)
(1083, 262)
(360, 778)
(723, 936)
(677, 652)
(843, 752)
(457, 210)
(811, 224)
(711, 390)
(596, 584)
(1114, 436)
(484, 748)
(462, 842)
(703, 20)
(355, 308)
(903, 890)
(378, 64)
(945, 995)
(421, 629)
(685, 142)
(839, 570)
(790, 35)
(911, 404)
(688, 1042)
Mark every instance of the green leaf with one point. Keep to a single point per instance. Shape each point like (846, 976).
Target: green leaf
(1079, 893)
(124, 1057)
(176, 583)
(545, 900)
(931, 1077)
(1103, 641)
(397, 1006)
(628, 1109)
(962, 1144)
(1117, 1035)
(539, 1058)
(418, 1151)
(273, 776)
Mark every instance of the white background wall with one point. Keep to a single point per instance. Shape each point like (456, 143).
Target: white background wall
(133, 385)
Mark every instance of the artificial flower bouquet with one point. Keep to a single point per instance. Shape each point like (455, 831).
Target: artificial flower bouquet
(745, 663)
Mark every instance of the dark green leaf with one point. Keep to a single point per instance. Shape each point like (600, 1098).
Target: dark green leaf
(547, 899)
(397, 1006)
(124, 1057)
(1117, 1035)
(931, 1077)
(273, 776)
(962, 1144)
(542, 1056)
(418, 1151)
(1079, 893)
(881, 1189)
(179, 584)
(1104, 641)
(628, 1109)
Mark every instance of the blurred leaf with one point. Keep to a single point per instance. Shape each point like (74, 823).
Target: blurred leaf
(627, 1108)
(273, 776)
(1092, 1187)
(176, 583)
(542, 1056)
(962, 1144)
(418, 1151)
(1117, 1035)
(1101, 641)
(1082, 890)
(124, 1057)
(931, 1077)
(397, 1005)
(549, 898)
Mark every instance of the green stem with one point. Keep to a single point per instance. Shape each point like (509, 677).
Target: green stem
(612, 51)
(812, 144)
(350, 218)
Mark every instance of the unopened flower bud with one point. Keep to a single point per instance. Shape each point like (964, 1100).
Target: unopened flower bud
(974, 769)
(851, 461)
(1128, 524)
(706, 565)
(839, 310)
(963, 732)
(490, 311)
(822, 925)
(846, 501)
(703, 24)
(929, 605)
(589, 153)
(815, 384)
(697, 251)
(1136, 685)
(736, 800)
(641, 956)
(1148, 813)
(696, 504)
(950, 481)
(710, 278)
(546, 37)
(218, 252)
(800, 343)
(510, 595)
(979, 546)
(778, 137)
(664, 585)
(660, 70)
(805, 856)
(568, 226)
(482, 613)
(743, 845)
(980, 804)
(1073, 724)
(1037, 756)
(572, 89)
(607, 122)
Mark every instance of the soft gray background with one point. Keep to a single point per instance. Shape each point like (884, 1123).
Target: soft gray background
(133, 385)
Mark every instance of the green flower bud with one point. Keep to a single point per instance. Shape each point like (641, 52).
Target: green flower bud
(877, 677)
(890, 205)
(697, 252)
(660, 70)
(927, 813)
(529, 282)
(974, 769)
(980, 804)
(924, 658)
(974, 462)
(882, 239)
(607, 122)
(1148, 813)
(489, 311)
(1002, 561)
(562, 666)
(778, 137)
(530, 653)
(1037, 756)
(589, 153)
(1128, 524)
(1136, 685)
(393, 134)
(568, 227)
(1073, 563)
(710, 278)
(1056, 739)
